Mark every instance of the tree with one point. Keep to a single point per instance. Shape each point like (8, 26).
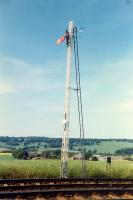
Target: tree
(20, 154)
(57, 153)
(88, 154)
(46, 154)
(94, 151)
(124, 151)
(94, 158)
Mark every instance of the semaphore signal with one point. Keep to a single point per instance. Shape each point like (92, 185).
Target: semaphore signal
(71, 38)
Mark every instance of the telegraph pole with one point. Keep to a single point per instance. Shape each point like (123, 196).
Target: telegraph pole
(65, 139)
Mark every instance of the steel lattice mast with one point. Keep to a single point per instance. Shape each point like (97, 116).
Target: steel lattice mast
(65, 139)
(72, 44)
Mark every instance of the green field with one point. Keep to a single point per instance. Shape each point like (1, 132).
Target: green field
(12, 168)
(6, 157)
(109, 146)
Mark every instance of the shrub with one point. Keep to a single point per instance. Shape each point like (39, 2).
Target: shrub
(20, 154)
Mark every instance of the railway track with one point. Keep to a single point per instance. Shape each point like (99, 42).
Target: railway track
(68, 180)
(31, 188)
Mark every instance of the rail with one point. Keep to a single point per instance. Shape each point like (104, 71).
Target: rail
(31, 188)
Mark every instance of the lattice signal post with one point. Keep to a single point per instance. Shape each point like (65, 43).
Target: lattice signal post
(72, 47)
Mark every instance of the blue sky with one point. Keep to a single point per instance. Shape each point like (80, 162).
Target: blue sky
(32, 67)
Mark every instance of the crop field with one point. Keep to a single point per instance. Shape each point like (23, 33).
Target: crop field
(6, 156)
(46, 168)
(108, 146)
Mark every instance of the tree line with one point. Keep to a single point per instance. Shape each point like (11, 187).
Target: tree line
(24, 153)
(53, 142)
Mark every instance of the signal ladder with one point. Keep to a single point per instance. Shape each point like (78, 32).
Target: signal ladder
(79, 100)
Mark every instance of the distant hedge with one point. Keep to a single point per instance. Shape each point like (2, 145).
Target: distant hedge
(125, 151)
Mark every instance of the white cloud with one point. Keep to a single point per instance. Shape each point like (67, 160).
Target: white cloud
(7, 61)
(107, 95)
(26, 76)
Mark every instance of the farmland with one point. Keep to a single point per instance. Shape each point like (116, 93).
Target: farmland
(43, 143)
(6, 157)
(46, 168)
(13, 168)
(109, 146)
